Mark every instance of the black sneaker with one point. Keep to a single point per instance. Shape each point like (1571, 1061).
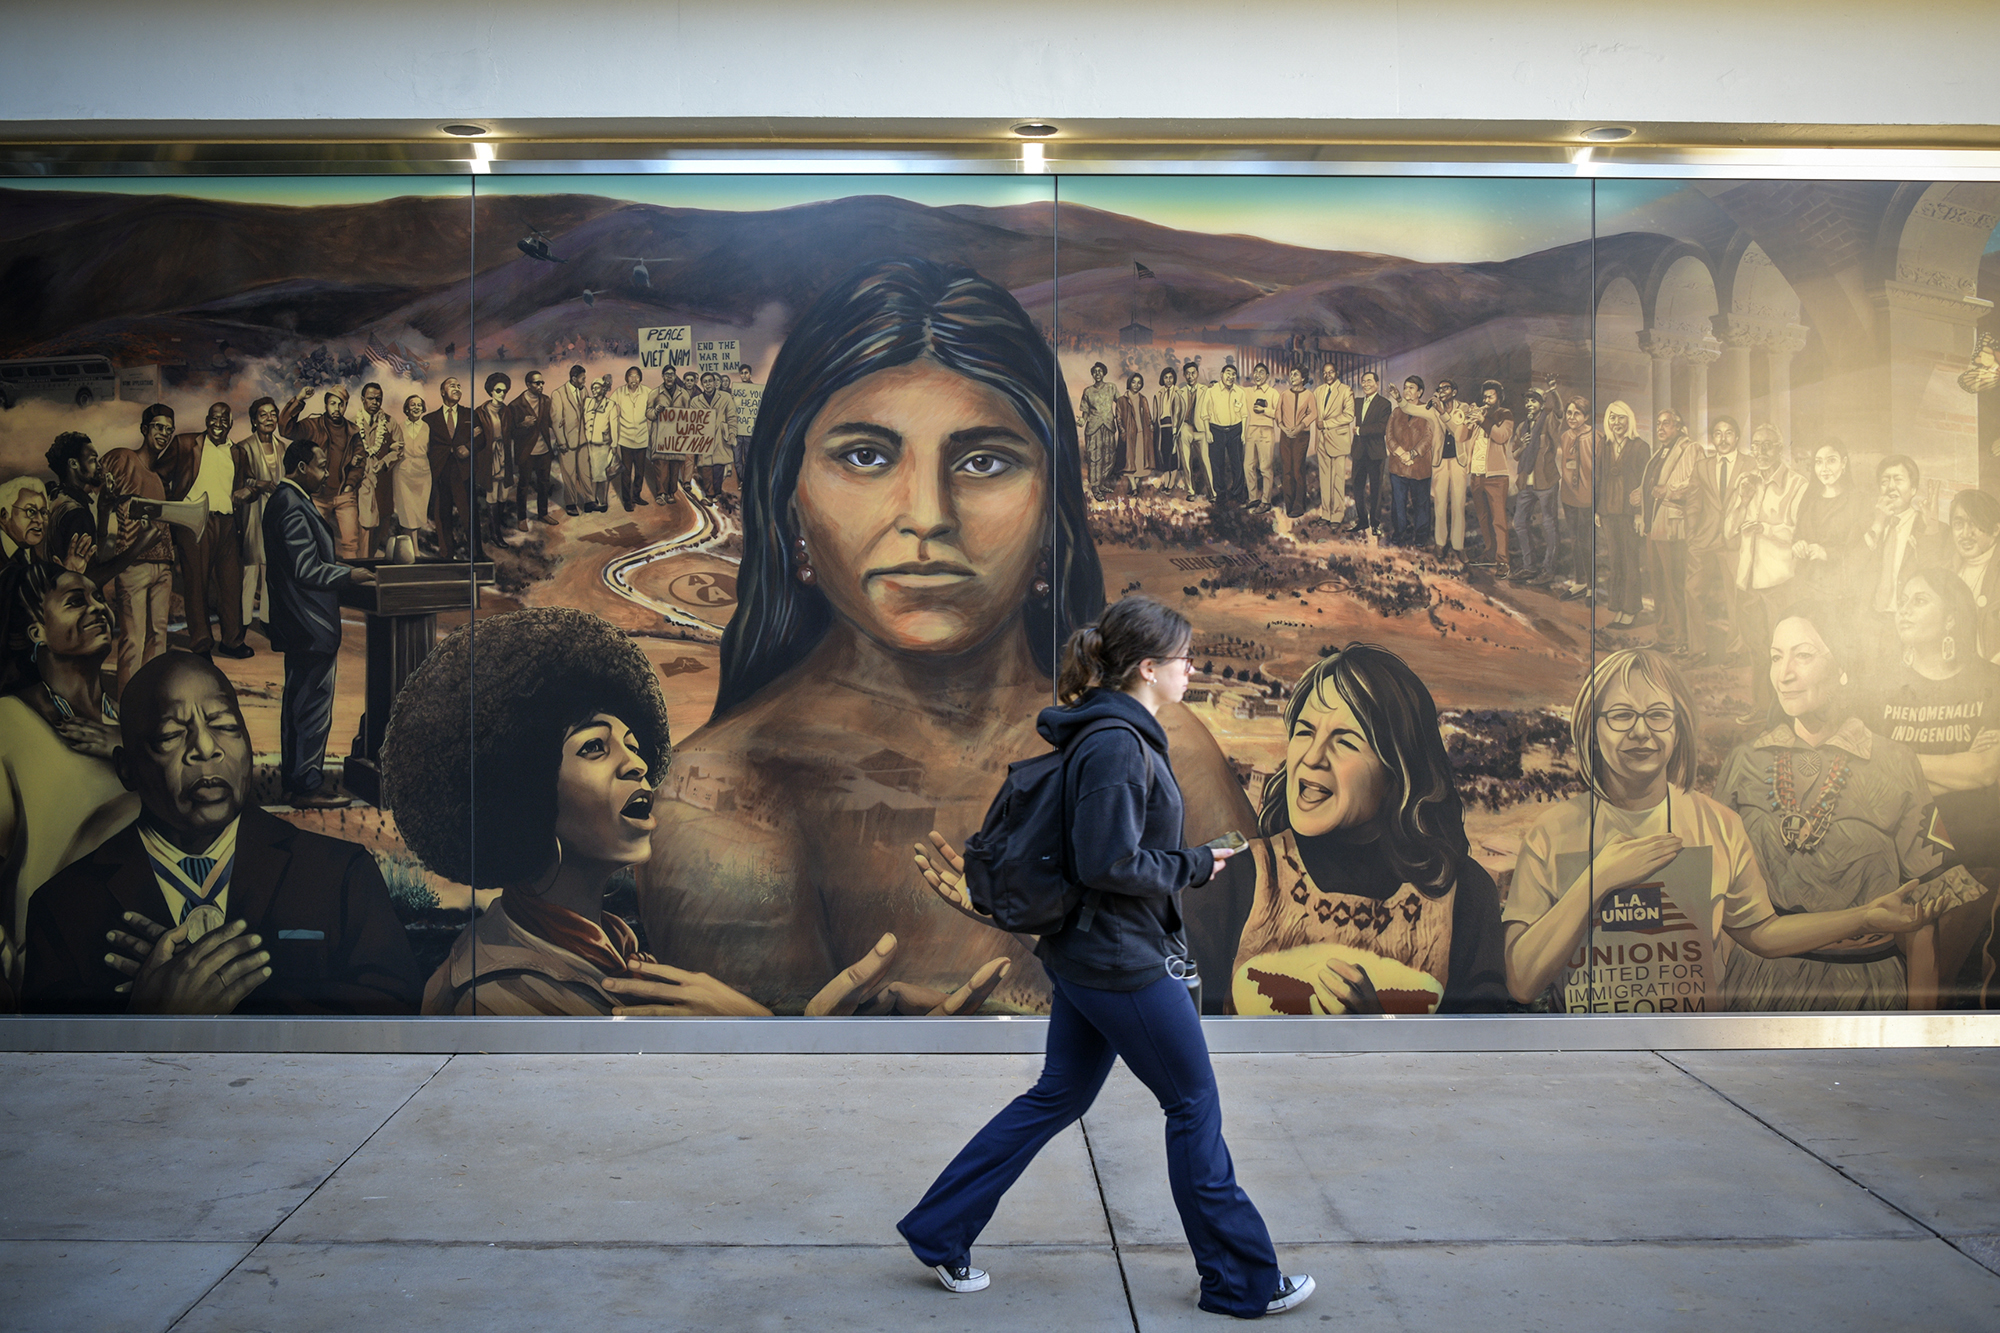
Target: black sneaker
(962, 1278)
(1291, 1292)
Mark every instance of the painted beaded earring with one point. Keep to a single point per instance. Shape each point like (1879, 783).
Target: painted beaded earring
(1950, 648)
(802, 563)
(1041, 586)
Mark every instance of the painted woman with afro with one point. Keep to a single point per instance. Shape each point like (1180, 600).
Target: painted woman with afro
(523, 756)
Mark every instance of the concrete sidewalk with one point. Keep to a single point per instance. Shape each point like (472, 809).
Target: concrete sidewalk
(1818, 1190)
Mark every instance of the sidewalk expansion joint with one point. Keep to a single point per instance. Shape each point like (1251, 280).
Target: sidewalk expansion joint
(1110, 1227)
(310, 1194)
(1831, 1165)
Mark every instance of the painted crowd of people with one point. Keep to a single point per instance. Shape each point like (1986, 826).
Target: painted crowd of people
(916, 538)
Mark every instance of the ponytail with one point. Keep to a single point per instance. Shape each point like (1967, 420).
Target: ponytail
(1106, 653)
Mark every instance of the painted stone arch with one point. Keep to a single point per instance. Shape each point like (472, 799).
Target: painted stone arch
(1927, 261)
(1681, 297)
(1621, 312)
(1943, 235)
(1624, 369)
(1761, 293)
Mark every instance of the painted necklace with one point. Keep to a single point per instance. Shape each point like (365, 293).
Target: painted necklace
(1802, 829)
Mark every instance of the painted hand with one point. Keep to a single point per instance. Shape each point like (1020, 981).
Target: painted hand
(660, 991)
(1906, 909)
(1628, 861)
(865, 988)
(96, 739)
(944, 870)
(81, 548)
(212, 976)
(1344, 988)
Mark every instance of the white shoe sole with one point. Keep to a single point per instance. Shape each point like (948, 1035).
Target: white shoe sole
(979, 1281)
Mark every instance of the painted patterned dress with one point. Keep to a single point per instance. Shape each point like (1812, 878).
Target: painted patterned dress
(1845, 825)
(1332, 891)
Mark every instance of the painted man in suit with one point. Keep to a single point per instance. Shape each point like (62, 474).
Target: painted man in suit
(458, 470)
(208, 466)
(1711, 550)
(209, 907)
(305, 580)
(1332, 442)
(566, 429)
(1370, 452)
(531, 444)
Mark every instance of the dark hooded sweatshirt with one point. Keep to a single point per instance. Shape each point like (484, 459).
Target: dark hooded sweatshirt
(1125, 840)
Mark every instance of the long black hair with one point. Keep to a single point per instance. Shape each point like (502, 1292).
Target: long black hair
(881, 315)
(1421, 821)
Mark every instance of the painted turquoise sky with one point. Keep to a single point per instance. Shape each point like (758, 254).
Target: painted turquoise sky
(749, 194)
(728, 193)
(1422, 218)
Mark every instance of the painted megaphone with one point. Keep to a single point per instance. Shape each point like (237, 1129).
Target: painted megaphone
(189, 514)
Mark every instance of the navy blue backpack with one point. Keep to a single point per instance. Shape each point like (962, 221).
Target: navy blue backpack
(1017, 867)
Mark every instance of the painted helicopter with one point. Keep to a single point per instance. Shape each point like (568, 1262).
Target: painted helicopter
(640, 276)
(536, 246)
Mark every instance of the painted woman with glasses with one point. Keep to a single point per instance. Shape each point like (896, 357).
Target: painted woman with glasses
(1594, 866)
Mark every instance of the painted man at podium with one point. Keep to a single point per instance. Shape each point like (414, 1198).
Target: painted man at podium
(305, 579)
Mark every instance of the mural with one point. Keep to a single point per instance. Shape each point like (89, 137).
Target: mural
(580, 595)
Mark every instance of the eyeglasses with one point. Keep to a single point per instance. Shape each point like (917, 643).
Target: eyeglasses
(1621, 720)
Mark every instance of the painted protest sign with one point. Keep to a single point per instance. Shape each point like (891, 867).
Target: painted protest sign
(749, 397)
(720, 355)
(685, 430)
(668, 346)
(1650, 949)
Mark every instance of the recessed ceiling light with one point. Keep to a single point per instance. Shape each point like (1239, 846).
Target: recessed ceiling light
(1034, 129)
(1608, 133)
(464, 130)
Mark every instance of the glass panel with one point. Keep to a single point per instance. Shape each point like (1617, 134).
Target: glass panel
(183, 587)
(1801, 584)
(781, 495)
(1380, 666)
(1739, 467)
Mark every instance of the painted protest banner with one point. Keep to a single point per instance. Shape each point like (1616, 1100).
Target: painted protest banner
(685, 430)
(668, 346)
(1650, 948)
(720, 355)
(749, 397)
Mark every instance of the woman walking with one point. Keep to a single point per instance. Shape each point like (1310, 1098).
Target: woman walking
(1117, 978)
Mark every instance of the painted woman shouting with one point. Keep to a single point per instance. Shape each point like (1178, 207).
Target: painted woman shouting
(565, 737)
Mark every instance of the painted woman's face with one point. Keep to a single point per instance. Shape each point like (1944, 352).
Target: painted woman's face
(1636, 729)
(1802, 668)
(1828, 465)
(1920, 616)
(75, 620)
(604, 806)
(1333, 779)
(1967, 538)
(923, 499)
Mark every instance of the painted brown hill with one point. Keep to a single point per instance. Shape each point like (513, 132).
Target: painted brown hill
(726, 266)
(1093, 238)
(165, 277)
(71, 262)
